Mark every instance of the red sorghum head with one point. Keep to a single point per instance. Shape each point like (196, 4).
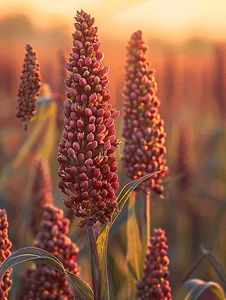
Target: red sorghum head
(41, 192)
(29, 86)
(5, 246)
(42, 281)
(153, 284)
(143, 129)
(86, 154)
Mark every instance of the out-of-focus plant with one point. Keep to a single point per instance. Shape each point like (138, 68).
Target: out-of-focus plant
(29, 87)
(42, 281)
(143, 130)
(154, 284)
(41, 192)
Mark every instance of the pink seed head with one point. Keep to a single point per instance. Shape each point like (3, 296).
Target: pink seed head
(86, 155)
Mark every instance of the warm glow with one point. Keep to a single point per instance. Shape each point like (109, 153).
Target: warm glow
(175, 19)
(151, 142)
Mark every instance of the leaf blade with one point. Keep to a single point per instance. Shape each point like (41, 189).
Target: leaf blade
(87, 291)
(31, 253)
(134, 249)
(102, 240)
(193, 289)
(121, 200)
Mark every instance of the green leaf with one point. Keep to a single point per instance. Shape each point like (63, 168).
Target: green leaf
(81, 285)
(103, 237)
(131, 270)
(134, 249)
(31, 253)
(118, 270)
(127, 191)
(195, 289)
(104, 288)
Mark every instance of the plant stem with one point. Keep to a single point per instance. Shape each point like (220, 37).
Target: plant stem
(94, 262)
(147, 200)
(145, 221)
(145, 224)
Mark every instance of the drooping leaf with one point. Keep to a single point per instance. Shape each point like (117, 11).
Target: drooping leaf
(195, 289)
(103, 237)
(133, 257)
(81, 285)
(31, 253)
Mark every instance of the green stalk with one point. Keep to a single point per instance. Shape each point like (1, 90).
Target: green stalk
(95, 268)
(146, 222)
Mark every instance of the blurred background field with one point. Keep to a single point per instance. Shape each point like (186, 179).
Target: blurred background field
(187, 48)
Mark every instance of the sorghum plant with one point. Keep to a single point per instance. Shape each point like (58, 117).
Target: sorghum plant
(41, 192)
(154, 284)
(29, 86)
(87, 171)
(5, 246)
(42, 281)
(143, 129)
(86, 154)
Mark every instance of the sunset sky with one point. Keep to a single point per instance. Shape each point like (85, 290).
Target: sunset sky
(172, 20)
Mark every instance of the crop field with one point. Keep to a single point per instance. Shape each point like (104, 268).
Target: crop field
(112, 150)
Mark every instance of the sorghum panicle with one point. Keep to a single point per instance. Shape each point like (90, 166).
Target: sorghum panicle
(143, 129)
(42, 281)
(5, 246)
(29, 86)
(86, 154)
(41, 192)
(153, 284)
